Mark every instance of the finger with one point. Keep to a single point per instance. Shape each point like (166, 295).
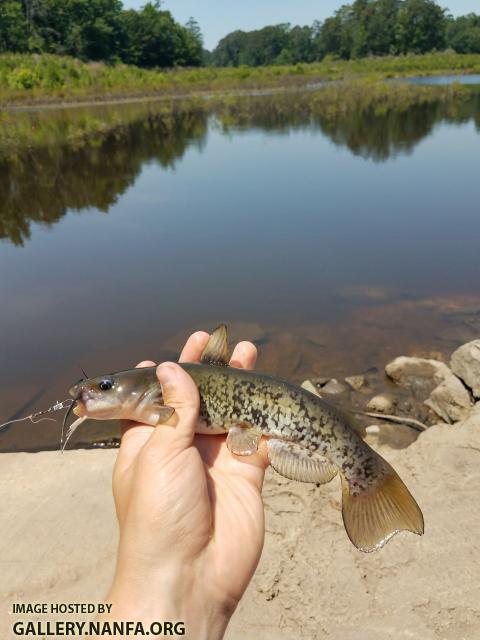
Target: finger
(179, 392)
(194, 346)
(216, 456)
(244, 356)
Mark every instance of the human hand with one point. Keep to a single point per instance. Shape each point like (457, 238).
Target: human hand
(190, 513)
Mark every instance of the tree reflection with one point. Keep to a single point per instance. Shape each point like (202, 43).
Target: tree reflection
(40, 185)
(372, 126)
(86, 158)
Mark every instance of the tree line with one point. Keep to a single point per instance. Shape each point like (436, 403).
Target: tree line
(150, 37)
(363, 28)
(99, 30)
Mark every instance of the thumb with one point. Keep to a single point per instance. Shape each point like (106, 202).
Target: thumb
(179, 392)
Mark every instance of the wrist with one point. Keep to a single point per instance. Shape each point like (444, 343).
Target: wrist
(174, 595)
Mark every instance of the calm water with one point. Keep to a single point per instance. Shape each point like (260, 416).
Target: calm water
(446, 80)
(334, 243)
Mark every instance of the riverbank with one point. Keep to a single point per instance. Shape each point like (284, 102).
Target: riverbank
(48, 79)
(59, 537)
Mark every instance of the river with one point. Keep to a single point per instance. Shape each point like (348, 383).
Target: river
(335, 243)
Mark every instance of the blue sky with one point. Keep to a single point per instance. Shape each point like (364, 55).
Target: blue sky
(217, 18)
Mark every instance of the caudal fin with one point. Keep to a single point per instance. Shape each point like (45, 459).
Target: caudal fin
(374, 517)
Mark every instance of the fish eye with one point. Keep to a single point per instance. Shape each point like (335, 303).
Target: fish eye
(105, 385)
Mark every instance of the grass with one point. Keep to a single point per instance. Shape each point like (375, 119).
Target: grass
(34, 79)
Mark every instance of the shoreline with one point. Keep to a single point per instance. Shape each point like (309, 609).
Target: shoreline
(164, 97)
(205, 82)
(305, 547)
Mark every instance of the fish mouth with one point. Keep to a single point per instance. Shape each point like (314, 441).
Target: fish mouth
(82, 400)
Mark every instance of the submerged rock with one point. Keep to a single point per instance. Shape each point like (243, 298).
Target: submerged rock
(450, 400)
(465, 363)
(356, 382)
(334, 387)
(417, 374)
(382, 403)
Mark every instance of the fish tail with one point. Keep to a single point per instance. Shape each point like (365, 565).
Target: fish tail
(373, 516)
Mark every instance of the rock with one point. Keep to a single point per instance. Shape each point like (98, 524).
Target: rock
(356, 382)
(334, 387)
(394, 436)
(373, 429)
(417, 374)
(450, 400)
(383, 403)
(465, 363)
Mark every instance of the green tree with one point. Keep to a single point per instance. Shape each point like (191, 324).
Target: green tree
(227, 52)
(335, 35)
(382, 27)
(193, 43)
(463, 34)
(300, 45)
(421, 27)
(87, 29)
(360, 17)
(13, 27)
(154, 39)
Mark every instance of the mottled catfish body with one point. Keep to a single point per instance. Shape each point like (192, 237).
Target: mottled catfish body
(308, 439)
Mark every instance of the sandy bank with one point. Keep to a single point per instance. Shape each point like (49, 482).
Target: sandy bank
(58, 531)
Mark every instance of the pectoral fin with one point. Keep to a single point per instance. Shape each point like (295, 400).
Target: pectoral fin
(216, 351)
(164, 413)
(243, 440)
(297, 463)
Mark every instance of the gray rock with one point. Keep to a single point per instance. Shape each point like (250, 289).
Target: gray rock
(417, 374)
(395, 436)
(383, 403)
(450, 400)
(356, 382)
(465, 363)
(334, 387)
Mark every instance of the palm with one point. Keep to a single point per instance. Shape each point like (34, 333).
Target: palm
(208, 501)
(234, 487)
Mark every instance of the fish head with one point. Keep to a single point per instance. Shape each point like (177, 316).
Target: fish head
(108, 397)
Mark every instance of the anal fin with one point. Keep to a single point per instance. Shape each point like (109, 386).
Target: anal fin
(297, 463)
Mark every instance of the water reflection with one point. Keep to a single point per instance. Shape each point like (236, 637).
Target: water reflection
(377, 132)
(39, 183)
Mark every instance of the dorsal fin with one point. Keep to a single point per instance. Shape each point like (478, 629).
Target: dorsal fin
(216, 351)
